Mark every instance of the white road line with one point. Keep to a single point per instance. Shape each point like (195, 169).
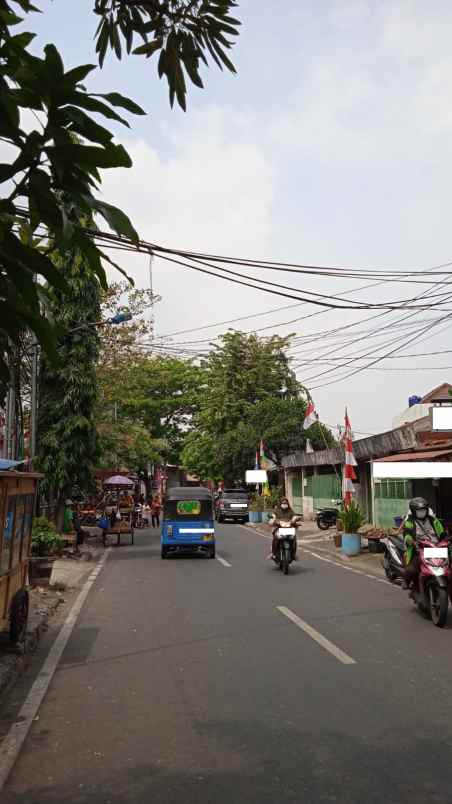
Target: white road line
(316, 636)
(17, 734)
(224, 562)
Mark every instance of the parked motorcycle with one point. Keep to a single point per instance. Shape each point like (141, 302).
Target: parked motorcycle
(431, 592)
(285, 533)
(393, 560)
(327, 517)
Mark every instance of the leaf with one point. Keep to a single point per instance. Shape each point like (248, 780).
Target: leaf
(148, 48)
(93, 105)
(54, 62)
(78, 74)
(117, 220)
(119, 100)
(85, 126)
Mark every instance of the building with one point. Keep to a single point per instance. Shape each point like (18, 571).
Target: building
(313, 479)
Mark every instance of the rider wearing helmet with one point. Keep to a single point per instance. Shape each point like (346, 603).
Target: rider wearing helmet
(283, 513)
(421, 521)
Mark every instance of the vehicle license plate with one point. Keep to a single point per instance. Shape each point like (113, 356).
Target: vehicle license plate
(238, 505)
(435, 552)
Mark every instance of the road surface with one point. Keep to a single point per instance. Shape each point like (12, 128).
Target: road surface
(193, 681)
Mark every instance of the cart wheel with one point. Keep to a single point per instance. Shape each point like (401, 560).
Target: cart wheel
(18, 617)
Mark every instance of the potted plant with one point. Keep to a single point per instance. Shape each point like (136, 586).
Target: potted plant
(46, 544)
(256, 509)
(351, 518)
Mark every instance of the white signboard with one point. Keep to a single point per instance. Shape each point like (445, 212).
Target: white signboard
(411, 470)
(256, 476)
(442, 418)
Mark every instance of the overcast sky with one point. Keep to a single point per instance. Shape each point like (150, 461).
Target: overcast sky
(331, 146)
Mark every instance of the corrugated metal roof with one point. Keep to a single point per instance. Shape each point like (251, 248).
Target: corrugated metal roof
(416, 456)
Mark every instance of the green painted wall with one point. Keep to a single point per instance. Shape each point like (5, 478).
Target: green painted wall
(325, 489)
(297, 494)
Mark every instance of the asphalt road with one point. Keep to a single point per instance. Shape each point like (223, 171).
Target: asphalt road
(184, 683)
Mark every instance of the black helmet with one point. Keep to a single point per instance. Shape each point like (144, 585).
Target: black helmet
(418, 504)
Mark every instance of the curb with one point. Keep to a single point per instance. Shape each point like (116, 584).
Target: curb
(16, 660)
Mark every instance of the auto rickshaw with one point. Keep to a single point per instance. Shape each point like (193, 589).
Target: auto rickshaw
(188, 521)
(17, 505)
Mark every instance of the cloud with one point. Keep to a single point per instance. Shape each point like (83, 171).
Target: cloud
(213, 191)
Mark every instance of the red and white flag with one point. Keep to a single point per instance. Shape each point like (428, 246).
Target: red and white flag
(310, 416)
(349, 474)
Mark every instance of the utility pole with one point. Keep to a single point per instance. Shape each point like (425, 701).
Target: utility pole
(34, 399)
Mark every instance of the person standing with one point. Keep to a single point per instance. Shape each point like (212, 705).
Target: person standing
(155, 512)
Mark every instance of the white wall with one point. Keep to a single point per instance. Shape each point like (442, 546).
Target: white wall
(411, 414)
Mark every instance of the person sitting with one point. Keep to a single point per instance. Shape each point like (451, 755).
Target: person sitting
(420, 522)
(282, 513)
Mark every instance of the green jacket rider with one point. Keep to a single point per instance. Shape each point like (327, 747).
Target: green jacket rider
(421, 521)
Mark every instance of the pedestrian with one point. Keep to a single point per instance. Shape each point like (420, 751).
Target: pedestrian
(155, 511)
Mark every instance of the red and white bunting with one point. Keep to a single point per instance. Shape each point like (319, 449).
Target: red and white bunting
(349, 474)
(310, 416)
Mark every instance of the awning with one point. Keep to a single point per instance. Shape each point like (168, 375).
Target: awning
(416, 456)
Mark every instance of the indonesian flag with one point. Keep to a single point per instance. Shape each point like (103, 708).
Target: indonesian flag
(310, 416)
(349, 474)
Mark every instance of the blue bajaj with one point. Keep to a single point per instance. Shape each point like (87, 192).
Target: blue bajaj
(188, 522)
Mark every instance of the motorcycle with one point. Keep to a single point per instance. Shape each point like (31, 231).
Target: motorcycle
(393, 559)
(285, 533)
(327, 517)
(431, 590)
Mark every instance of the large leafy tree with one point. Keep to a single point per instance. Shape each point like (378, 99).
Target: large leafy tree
(146, 401)
(251, 393)
(49, 174)
(67, 448)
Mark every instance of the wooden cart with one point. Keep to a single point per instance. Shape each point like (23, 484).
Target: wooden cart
(123, 526)
(17, 505)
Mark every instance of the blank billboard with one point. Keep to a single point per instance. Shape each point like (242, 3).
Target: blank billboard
(442, 418)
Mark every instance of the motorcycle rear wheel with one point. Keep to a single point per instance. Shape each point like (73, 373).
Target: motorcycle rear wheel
(439, 604)
(390, 574)
(323, 524)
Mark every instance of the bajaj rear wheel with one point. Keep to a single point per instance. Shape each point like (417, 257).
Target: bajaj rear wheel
(439, 604)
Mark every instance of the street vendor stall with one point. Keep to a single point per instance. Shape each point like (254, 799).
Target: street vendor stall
(17, 505)
(121, 512)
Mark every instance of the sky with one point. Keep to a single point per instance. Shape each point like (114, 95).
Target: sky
(331, 146)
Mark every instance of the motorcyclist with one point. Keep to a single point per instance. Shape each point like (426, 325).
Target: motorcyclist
(283, 513)
(421, 521)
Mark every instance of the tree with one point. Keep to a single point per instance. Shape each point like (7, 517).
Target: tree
(251, 393)
(146, 401)
(67, 447)
(49, 175)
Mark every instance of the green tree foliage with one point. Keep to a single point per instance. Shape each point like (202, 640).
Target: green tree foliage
(67, 447)
(52, 178)
(146, 402)
(184, 33)
(250, 393)
(49, 173)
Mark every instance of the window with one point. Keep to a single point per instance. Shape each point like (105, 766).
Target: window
(393, 489)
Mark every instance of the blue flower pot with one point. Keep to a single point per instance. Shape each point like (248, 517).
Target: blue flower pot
(351, 544)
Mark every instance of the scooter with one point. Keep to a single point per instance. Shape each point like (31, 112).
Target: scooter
(327, 517)
(393, 559)
(285, 533)
(431, 590)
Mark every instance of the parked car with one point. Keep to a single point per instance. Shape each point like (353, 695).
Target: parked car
(232, 504)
